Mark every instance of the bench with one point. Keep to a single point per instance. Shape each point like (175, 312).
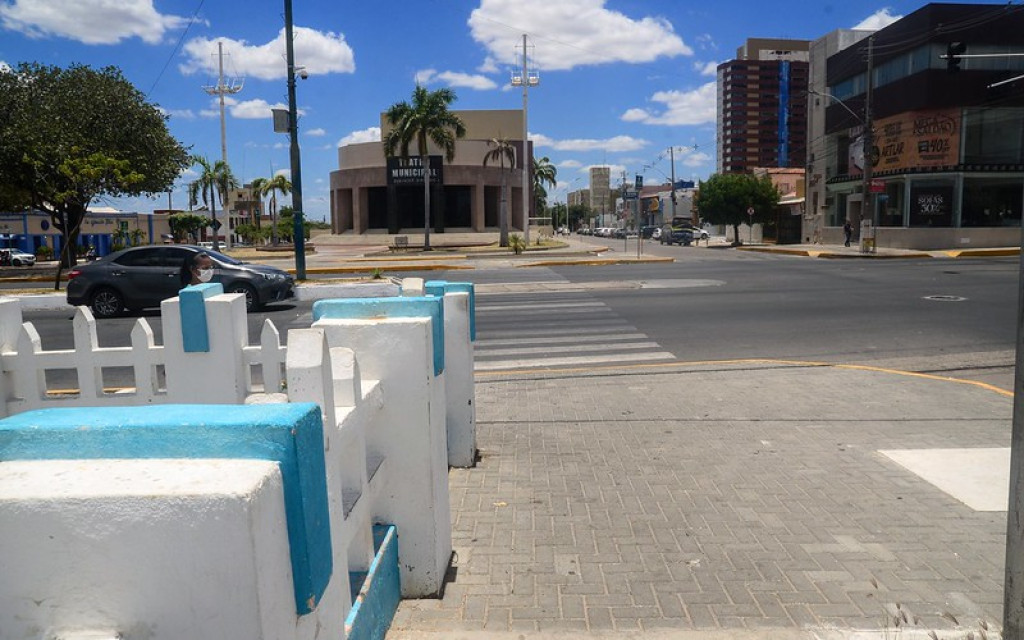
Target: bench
(400, 242)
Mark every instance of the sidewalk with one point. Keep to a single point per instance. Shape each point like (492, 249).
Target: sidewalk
(726, 500)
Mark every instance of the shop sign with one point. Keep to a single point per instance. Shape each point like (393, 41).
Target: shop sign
(931, 206)
(409, 171)
(918, 139)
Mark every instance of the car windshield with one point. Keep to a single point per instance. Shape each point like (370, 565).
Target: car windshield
(220, 257)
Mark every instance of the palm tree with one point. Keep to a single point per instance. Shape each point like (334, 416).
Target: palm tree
(214, 181)
(543, 173)
(270, 187)
(427, 119)
(501, 150)
(257, 185)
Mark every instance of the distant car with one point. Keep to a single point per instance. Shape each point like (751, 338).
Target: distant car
(142, 277)
(648, 232)
(16, 258)
(656, 233)
(675, 235)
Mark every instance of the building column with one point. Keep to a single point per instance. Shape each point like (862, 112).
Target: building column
(342, 221)
(360, 210)
(479, 207)
(392, 214)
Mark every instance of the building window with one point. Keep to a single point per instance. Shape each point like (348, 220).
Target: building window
(890, 204)
(931, 203)
(992, 202)
(993, 136)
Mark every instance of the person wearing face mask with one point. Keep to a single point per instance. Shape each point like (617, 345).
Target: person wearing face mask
(197, 269)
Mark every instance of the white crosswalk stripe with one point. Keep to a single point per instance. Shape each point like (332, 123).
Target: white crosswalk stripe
(556, 330)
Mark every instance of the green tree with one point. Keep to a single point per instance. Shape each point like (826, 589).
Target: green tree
(427, 119)
(184, 225)
(70, 136)
(271, 186)
(286, 224)
(214, 182)
(725, 198)
(257, 186)
(544, 173)
(502, 150)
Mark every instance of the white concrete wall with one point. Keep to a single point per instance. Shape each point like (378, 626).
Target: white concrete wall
(154, 549)
(460, 390)
(410, 433)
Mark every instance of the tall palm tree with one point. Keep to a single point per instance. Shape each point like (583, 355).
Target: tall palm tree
(270, 187)
(427, 119)
(214, 182)
(501, 150)
(256, 186)
(543, 173)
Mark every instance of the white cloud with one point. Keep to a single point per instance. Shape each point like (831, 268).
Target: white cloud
(680, 107)
(182, 114)
(615, 144)
(455, 79)
(254, 109)
(319, 52)
(877, 20)
(594, 34)
(615, 170)
(371, 134)
(696, 159)
(89, 21)
(706, 42)
(316, 132)
(570, 164)
(4, 67)
(706, 68)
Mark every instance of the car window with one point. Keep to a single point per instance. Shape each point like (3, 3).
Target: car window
(146, 257)
(220, 257)
(174, 257)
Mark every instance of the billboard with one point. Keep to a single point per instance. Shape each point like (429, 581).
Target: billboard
(918, 139)
(409, 171)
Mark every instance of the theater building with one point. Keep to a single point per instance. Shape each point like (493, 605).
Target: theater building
(374, 194)
(947, 149)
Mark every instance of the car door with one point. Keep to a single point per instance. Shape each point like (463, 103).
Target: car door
(142, 277)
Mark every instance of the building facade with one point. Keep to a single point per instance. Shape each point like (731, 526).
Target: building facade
(947, 150)
(762, 107)
(103, 229)
(374, 194)
(600, 190)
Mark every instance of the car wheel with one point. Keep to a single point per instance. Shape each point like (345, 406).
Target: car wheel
(17, 262)
(252, 303)
(106, 303)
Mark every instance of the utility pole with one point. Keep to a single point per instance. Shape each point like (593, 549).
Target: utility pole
(527, 81)
(220, 90)
(868, 201)
(672, 157)
(298, 229)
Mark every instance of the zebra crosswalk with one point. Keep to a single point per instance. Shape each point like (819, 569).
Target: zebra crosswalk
(548, 330)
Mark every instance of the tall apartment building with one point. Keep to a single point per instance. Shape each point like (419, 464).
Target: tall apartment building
(762, 106)
(600, 189)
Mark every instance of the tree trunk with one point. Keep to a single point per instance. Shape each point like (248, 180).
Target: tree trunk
(503, 212)
(736, 234)
(213, 214)
(72, 223)
(425, 160)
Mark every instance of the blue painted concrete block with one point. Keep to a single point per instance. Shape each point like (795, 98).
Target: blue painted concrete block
(195, 336)
(289, 434)
(377, 601)
(397, 307)
(440, 287)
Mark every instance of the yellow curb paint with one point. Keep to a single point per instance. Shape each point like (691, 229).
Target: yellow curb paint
(748, 361)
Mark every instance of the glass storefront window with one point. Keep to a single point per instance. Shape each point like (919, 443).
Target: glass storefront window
(890, 204)
(931, 203)
(992, 202)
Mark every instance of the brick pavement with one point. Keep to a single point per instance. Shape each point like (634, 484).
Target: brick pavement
(720, 501)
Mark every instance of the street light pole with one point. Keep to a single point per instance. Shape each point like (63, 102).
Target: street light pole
(298, 228)
(868, 208)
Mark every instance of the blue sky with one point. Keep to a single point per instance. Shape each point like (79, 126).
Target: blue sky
(620, 80)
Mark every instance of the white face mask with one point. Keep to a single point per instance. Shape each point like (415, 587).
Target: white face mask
(205, 275)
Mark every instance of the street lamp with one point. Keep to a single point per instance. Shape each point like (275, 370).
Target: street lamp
(298, 229)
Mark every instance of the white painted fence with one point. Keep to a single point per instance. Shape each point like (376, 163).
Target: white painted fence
(384, 405)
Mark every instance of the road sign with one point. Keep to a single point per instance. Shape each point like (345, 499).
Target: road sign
(216, 224)
(877, 186)
(750, 211)
(630, 195)
(639, 182)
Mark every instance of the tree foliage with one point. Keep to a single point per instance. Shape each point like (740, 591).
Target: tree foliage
(725, 198)
(544, 173)
(70, 136)
(502, 150)
(186, 225)
(426, 120)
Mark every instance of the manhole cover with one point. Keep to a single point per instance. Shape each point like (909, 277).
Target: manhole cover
(945, 298)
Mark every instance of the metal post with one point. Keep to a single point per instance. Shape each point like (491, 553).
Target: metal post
(526, 152)
(867, 204)
(672, 156)
(298, 230)
(1013, 584)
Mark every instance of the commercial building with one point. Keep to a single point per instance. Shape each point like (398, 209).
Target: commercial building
(947, 150)
(600, 190)
(374, 194)
(762, 118)
(102, 228)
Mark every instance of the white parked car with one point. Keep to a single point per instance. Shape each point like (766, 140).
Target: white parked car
(17, 258)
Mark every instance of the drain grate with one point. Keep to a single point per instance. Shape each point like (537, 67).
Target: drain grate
(945, 298)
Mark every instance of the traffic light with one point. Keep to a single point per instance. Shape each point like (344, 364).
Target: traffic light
(953, 51)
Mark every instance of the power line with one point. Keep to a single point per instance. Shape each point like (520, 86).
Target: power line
(177, 47)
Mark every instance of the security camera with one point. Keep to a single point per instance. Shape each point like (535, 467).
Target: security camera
(303, 74)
